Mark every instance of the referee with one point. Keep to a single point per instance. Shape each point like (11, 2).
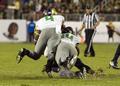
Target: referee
(90, 22)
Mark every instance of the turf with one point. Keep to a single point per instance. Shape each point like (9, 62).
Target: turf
(28, 72)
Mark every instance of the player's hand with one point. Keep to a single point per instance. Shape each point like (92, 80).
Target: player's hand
(35, 41)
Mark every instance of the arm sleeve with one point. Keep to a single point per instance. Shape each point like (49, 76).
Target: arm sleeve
(117, 30)
(84, 18)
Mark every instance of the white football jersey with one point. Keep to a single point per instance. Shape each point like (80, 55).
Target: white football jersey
(70, 38)
(53, 21)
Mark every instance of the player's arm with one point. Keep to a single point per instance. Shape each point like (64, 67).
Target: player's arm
(96, 24)
(82, 27)
(97, 21)
(36, 34)
(63, 25)
(117, 31)
(112, 27)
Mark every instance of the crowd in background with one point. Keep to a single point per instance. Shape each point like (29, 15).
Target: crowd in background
(25, 9)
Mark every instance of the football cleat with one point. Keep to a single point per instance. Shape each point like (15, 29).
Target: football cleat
(87, 55)
(113, 65)
(20, 55)
(90, 71)
(84, 72)
(78, 74)
(49, 74)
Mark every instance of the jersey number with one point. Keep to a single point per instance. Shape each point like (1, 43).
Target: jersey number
(67, 35)
(49, 18)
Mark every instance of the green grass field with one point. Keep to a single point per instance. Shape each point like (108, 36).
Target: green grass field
(28, 72)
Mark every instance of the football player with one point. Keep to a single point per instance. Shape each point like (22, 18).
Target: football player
(50, 26)
(114, 62)
(67, 53)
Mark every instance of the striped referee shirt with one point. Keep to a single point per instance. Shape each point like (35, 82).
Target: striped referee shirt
(89, 20)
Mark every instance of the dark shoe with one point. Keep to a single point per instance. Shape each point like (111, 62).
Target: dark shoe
(113, 65)
(20, 55)
(92, 55)
(78, 74)
(86, 55)
(90, 71)
(48, 72)
(82, 73)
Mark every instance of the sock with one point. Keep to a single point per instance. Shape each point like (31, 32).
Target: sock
(49, 65)
(32, 55)
(81, 65)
